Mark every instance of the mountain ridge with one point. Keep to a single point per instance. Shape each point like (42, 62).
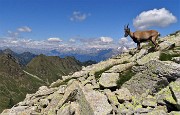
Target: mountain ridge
(17, 80)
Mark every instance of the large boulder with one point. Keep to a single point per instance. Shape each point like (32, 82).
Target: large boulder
(108, 80)
(175, 89)
(90, 101)
(97, 101)
(166, 69)
(148, 57)
(152, 76)
(149, 101)
(139, 55)
(166, 45)
(123, 94)
(141, 82)
(120, 68)
(111, 97)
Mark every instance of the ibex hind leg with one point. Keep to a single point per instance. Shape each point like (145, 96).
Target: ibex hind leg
(138, 46)
(153, 40)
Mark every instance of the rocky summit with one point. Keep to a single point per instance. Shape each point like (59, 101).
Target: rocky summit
(136, 82)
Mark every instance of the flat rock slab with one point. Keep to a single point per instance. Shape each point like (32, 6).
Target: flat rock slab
(149, 101)
(108, 80)
(148, 57)
(120, 68)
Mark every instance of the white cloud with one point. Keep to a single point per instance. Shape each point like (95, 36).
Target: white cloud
(54, 40)
(24, 29)
(123, 40)
(156, 17)
(125, 44)
(106, 39)
(79, 16)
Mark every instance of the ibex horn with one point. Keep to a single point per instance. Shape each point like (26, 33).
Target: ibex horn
(127, 25)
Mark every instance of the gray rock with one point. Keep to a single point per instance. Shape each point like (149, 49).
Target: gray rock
(111, 97)
(142, 110)
(152, 76)
(57, 83)
(157, 112)
(149, 101)
(97, 101)
(148, 57)
(166, 45)
(108, 80)
(141, 82)
(123, 94)
(175, 89)
(43, 103)
(174, 113)
(128, 105)
(164, 96)
(176, 59)
(64, 110)
(75, 108)
(61, 89)
(44, 90)
(120, 68)
(90, 101)
(139, 54)
(167, 69)
(69, 95)
(70, 81)
(54, 99)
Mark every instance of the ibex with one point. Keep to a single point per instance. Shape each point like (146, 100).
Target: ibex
(142, 36)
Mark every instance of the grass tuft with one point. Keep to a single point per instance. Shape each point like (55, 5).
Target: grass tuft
(125, 76)
(166, 56)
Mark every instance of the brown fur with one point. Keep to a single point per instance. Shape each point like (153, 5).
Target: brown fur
(142, 36)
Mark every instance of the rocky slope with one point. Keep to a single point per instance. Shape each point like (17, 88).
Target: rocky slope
(133, 83)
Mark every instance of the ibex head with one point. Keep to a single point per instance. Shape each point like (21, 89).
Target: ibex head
(126, 30)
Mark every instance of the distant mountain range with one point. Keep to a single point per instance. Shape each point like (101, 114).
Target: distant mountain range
(24, 73)
(80, 54)
(22, 58)
(95, 55)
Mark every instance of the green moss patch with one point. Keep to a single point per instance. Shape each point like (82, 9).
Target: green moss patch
(167, 56)
(123, 77)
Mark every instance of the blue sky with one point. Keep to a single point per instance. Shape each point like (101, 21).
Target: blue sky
(69, 22)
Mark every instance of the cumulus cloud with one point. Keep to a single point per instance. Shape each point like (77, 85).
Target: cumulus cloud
(79, 16)
(24, 29)
(54, 40)
(156, 17)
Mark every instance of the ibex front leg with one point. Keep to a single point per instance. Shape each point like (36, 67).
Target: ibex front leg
(138, 46)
